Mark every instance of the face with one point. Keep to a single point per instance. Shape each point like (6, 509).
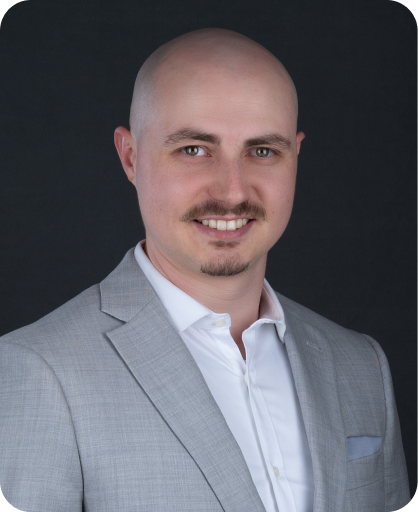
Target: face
(215, 170)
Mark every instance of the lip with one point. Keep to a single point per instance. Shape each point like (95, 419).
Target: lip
(219, 217)
(222, 235)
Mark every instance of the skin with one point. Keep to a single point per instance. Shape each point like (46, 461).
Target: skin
(236, 96)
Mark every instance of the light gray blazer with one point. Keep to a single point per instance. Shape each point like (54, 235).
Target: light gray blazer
(103, 409)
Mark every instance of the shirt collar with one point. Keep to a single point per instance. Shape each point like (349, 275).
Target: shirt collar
(184, 311)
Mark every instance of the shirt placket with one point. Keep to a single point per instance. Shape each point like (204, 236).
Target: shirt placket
(265, 430)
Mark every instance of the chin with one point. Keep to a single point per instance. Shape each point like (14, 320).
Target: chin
(224, 267)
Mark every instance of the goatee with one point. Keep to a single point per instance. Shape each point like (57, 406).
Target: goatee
(224, 268)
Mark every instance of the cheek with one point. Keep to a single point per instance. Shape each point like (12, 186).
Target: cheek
(163, 194)
(279, 195)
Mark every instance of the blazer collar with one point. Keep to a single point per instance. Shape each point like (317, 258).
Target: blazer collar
(312, 362)
(168, 374)
(125, 291)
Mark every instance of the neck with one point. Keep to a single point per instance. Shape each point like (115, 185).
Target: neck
(239, 295)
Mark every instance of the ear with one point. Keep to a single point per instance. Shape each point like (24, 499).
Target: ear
(299, 138)
(125, 147)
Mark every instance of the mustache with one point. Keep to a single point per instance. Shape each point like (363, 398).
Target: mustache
(211, 207)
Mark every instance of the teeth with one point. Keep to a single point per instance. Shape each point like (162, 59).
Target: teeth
(222, 225)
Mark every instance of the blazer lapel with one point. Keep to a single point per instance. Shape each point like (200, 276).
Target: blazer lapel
(165, 369)
(313, 367)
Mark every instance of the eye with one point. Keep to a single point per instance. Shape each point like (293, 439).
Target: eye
(263, 152)
(194, 151)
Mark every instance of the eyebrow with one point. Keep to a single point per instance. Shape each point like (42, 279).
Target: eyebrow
(269, 139)
(261, 140)
(190, 134)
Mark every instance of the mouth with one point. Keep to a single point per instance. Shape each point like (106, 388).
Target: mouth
(222, 229)
(224, 225)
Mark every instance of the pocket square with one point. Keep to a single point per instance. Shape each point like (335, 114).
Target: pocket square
(362, 446)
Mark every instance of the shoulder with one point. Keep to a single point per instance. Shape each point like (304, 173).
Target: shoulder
(345, 343)
(76, 334)
(63, 318)
(306, 315)
(63, 333)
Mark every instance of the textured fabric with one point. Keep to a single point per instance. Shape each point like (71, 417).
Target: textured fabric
(103, 408)
(362, 446)
(257, 397)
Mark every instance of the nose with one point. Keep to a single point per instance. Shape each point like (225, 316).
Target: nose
(230, 183)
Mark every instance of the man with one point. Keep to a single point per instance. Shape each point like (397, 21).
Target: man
(183, 382)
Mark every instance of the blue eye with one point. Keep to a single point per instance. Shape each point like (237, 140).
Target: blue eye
(263, 152)
(194, 151)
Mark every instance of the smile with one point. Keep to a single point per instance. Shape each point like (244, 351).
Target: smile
(224, 225)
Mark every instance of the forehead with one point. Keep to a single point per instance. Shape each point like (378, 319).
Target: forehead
(222, 99)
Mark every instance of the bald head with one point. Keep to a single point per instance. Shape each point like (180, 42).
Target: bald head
(218, 52)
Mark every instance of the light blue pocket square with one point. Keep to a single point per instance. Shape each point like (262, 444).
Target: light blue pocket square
(362, 446)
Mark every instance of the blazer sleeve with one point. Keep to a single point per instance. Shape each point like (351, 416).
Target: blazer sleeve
(396, 477)
(40, 468)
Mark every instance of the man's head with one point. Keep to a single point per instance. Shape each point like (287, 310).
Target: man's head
(213, 138)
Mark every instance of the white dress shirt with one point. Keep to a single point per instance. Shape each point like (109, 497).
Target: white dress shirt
(257, 397)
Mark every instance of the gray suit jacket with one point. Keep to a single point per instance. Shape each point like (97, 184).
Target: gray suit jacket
(103, 409)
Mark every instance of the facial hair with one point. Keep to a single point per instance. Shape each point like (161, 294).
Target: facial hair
(225, 265)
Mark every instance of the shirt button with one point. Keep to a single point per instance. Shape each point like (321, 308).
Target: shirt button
(276, 472)
(221, 322)
(251, 380)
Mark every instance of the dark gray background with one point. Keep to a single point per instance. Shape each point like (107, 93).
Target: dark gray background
(68, 214)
